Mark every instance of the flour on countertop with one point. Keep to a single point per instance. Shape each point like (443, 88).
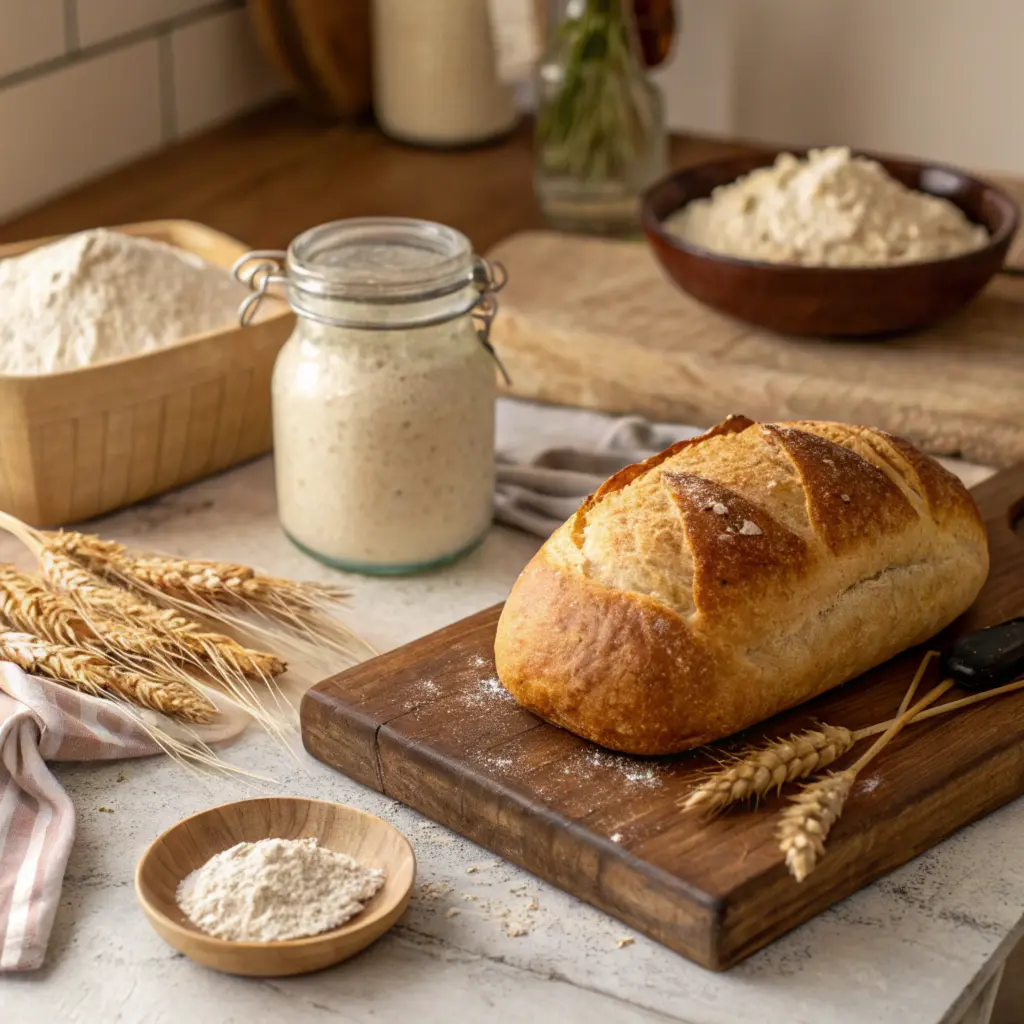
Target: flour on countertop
(831, 209)
(276, 889)
(102, 295)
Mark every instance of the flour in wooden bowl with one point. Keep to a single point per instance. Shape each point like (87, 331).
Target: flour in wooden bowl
(832, 209)
(102, 295)
(276, 889)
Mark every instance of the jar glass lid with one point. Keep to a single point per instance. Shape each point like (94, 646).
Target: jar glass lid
(380, 259)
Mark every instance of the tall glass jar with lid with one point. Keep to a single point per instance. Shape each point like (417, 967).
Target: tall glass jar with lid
(384, 395)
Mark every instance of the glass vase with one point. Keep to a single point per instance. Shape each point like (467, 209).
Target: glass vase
(600, 134)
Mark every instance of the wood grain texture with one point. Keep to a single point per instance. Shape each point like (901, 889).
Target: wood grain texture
(597, 323)
(192, 842)
(428, 725)
(81, 443)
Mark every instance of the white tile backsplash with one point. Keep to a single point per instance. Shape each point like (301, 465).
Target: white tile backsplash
(98, 82)
(218, 71)
(30, 33)
(78, 121)
(100, 20)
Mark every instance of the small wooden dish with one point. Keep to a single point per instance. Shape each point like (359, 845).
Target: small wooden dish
(833, 301)
(176, 853)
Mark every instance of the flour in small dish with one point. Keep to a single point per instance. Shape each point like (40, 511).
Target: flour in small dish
(102, 295)
(276, 889)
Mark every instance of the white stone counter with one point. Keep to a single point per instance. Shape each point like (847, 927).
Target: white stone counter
(914, 948)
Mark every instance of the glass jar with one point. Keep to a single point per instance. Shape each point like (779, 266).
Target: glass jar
(435, 73)
(600, 132)
(384, 396)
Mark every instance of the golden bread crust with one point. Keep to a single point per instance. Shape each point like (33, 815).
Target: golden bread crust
(734, 575)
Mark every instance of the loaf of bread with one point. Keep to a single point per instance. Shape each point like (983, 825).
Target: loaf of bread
(734, 575)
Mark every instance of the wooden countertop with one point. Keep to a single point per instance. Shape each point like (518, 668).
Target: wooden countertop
(270, 175)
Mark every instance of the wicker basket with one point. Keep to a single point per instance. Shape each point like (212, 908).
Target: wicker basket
(77, 444)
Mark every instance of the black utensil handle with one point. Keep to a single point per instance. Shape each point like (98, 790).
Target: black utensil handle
(989, 658)
(1011, 271)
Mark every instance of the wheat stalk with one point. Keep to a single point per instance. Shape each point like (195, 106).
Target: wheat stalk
(88, 671)
(189, 640)
(227, 662)
(806, 822)
(27, 605)
(199, 585)
(759, 770)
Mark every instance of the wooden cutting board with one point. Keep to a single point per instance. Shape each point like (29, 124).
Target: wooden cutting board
(429, 725)
(592, 322)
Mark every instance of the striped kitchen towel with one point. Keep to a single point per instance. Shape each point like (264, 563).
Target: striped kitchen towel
(42, 721)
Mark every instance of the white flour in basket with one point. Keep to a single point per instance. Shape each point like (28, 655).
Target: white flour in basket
(276, 889)
(102, 295)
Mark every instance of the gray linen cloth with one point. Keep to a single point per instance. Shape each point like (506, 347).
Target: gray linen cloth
(550, 458)
(539, 487)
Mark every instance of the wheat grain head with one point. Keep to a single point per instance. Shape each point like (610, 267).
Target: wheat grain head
(94, 674)
(805, 824)
(759, 770)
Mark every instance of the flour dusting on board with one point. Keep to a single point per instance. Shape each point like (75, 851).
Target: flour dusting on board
(489, 689)
(629, 770)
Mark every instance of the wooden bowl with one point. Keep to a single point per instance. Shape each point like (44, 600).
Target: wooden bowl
(832, 301)
(188, 845)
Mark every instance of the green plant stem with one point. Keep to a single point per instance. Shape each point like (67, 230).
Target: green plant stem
(594, 127)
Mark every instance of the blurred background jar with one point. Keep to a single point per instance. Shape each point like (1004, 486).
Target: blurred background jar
(435, 79)
(600, 136)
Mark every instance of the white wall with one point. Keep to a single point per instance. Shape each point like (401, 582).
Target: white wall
(86, 85)
(934, 78)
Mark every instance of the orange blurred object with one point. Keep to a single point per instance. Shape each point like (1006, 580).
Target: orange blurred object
(657, 26)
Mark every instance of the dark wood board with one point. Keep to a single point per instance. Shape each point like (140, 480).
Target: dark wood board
(428, 725)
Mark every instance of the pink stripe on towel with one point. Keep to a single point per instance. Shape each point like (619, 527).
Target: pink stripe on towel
(42, 721)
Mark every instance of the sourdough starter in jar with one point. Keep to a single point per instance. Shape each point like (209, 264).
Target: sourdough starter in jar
(384, 416)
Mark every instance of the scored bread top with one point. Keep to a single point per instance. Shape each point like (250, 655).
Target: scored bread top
(758, 505)
(779, 553)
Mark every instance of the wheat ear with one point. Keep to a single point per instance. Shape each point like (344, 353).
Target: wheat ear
(63, 573)
(197, 585)
(93, 674)
(227, 662)
(27, 605)
(759, 770)
(806, 822)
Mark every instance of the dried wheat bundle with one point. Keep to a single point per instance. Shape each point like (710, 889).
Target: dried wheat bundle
(27, 605)
(223, 660)
(200, 585)
(806, 822)
(756, 771)
(88, 671)
(186, 639)
(759, 770)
